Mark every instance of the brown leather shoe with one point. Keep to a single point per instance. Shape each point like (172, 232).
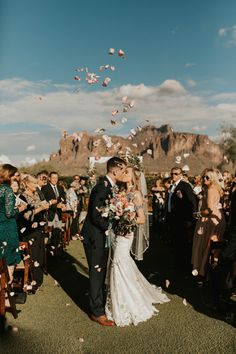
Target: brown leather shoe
(102, 320)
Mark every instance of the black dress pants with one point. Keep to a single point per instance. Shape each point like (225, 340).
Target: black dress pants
(97, 261)
(37, 250)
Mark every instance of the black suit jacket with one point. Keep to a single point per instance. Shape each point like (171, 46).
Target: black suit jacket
(95, 225)
(183, 203)
(50, 194)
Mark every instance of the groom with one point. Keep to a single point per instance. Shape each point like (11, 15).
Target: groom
(94, 238)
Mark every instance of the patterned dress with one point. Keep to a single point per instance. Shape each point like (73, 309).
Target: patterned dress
(9, 241)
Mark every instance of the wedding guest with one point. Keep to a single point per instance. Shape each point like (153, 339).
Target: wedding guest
(225, 272)
(72, 207)
(92, 181)
(181, 204)
(197, 188)
(81, 192)
(211, 223)
(62, 184)
(56, 198)
(9, 240)
(41, 181)
(158, 195)
(31, 223)
(227, 178)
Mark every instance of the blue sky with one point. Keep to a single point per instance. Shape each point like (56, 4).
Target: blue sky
(179, 67)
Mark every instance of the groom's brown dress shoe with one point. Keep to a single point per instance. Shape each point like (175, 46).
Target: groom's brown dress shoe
(102, 320)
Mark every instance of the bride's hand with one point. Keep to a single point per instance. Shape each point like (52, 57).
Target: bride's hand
(132, 215)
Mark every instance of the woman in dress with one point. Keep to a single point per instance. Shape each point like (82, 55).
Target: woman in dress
(9, 241)
(130, 296)
(31, 224)
(211, 223)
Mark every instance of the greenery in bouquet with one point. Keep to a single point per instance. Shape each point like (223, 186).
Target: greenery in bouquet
(120, 211)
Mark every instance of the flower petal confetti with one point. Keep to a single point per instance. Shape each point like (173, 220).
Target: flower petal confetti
(184, 302)
(106, 82)
(113, 113)
(111, 51)
(186, 155)
(121, 53)
(185, 168)
(167, 283)
(99, 130)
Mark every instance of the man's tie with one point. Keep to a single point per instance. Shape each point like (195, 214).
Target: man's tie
(56, 191)
(172, 188)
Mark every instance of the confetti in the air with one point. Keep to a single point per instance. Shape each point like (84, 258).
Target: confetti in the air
(106, 82)
(111, 51)
(113, 113)
(121, 53)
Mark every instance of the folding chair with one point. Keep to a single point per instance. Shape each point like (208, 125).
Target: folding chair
(5, 289)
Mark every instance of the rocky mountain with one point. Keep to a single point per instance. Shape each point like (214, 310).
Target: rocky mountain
(161, 148)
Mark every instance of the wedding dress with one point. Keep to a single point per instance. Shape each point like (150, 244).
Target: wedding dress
(130, 296)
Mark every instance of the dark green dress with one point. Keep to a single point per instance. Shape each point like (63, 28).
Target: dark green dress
(9, 241)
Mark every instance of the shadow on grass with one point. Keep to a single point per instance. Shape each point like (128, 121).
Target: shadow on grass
(70, 274)
(158, 266)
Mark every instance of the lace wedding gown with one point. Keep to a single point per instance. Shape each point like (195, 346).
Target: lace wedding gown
(130, 296)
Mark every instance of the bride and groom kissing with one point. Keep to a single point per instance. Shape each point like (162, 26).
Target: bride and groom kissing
(130, 297)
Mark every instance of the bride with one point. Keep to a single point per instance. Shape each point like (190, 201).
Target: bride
(130, 296)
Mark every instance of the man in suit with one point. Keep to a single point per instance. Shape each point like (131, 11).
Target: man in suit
(181, 203)
(56, 198)
(93, 233)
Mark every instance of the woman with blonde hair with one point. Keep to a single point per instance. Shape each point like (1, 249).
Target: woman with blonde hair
(130, 296)
(31, 224)
(211, 223)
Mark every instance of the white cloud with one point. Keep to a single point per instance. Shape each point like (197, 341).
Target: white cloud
(229, 34)
(222, 32)
(227, 96)
(198, 128)
(61, 108)
(4, 159)
(171, 87)
(190, 65)
(227, 107)
(30, 148)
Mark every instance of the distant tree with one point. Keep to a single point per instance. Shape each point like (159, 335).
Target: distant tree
(228, 141)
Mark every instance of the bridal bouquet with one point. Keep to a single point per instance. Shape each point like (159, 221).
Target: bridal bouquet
(120, 211)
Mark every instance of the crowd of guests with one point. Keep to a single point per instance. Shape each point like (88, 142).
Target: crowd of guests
(193, 214)
(31, 212)
(199, 215)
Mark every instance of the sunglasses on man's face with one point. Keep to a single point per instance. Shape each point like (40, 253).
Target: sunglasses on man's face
(206, 177)
(175, 174)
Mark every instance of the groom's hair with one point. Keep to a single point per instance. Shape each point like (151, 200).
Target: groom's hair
(114, 162)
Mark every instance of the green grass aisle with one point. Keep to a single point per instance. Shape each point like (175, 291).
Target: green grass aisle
(54, 321)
